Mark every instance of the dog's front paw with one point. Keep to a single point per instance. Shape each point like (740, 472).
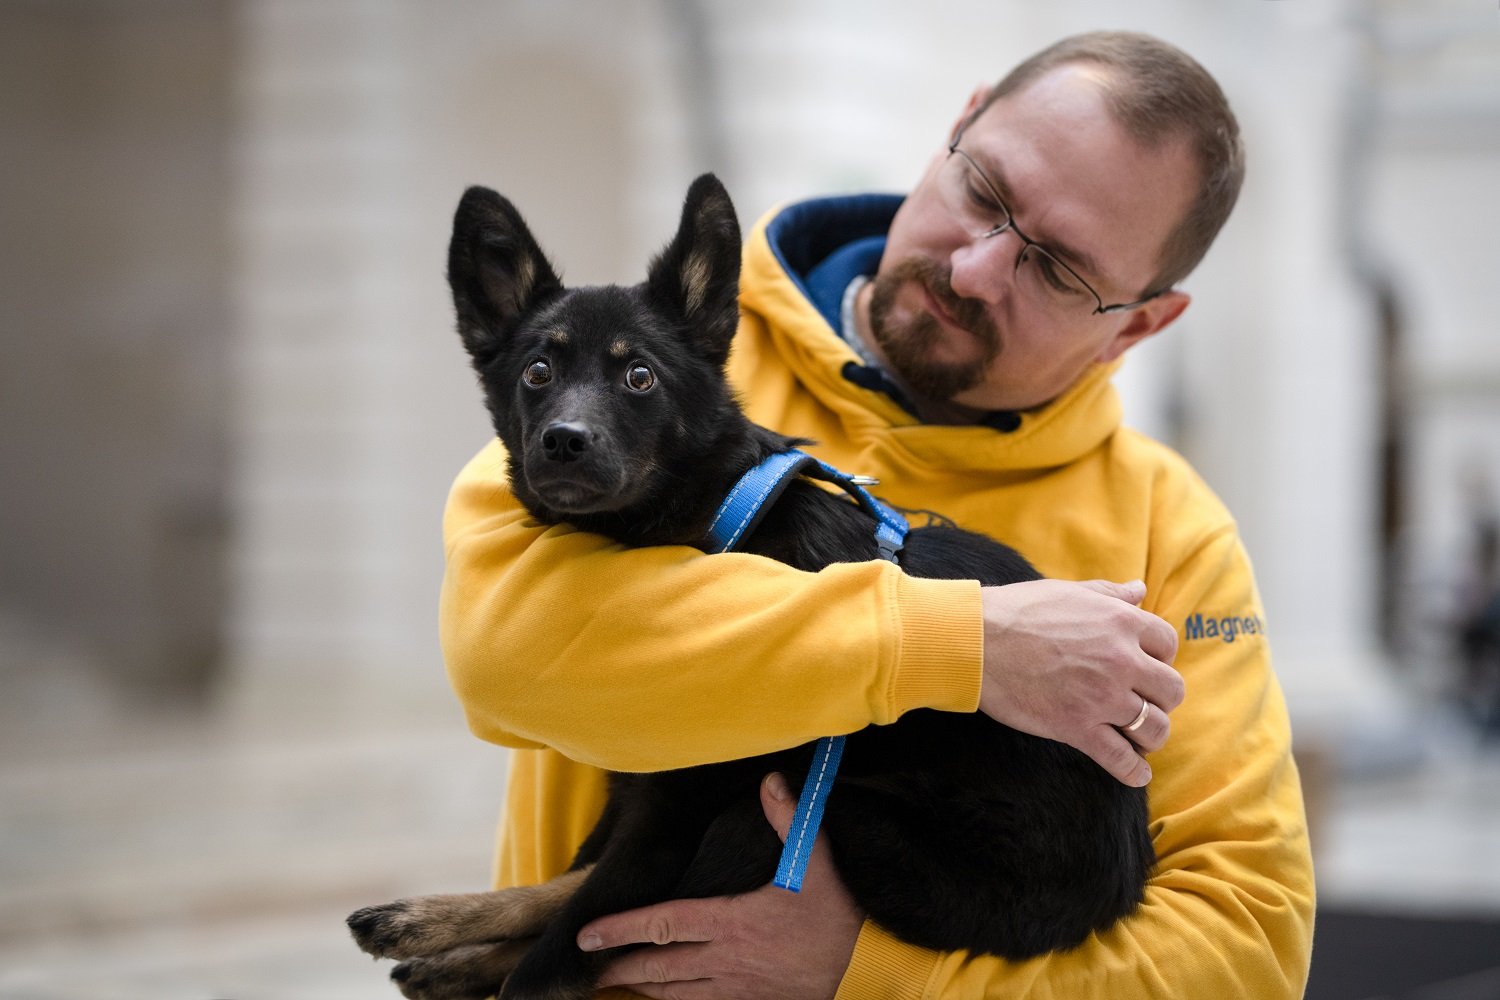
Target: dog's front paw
(427, 925)
(407, 928)
(472, 972)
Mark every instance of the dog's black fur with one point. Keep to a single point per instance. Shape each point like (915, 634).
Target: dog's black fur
(950, 830)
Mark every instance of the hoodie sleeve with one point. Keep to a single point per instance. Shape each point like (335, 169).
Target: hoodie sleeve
(663, 657)
(1229, 911)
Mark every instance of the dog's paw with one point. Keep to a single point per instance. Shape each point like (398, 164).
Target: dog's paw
(428, 925)
(472, 972)
(407, 928)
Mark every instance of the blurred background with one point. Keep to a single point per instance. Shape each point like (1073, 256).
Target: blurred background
(232, 400)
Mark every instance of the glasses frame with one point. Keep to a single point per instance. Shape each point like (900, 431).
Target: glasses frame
(1027, 242)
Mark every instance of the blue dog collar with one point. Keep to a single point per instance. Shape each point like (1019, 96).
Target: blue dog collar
(740, 512)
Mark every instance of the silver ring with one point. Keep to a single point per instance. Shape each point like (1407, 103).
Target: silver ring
(1145, 708)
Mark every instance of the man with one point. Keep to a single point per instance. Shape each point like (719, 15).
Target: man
(971, 375)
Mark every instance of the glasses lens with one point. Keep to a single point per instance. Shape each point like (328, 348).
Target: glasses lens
(973, 203)
(1044, 277)
(969, 197)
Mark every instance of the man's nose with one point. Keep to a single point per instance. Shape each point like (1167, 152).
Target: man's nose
(985, 267)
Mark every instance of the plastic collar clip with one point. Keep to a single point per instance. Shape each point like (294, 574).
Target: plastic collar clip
(737, 516)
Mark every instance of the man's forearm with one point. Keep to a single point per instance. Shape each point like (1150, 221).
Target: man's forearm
(661, 657)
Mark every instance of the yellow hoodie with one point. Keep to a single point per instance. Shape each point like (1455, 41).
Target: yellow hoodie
(582, 655)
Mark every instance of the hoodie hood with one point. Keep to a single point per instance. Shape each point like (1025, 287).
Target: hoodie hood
(781, 317)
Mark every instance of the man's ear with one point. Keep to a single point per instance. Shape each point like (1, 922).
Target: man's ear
(698, 273)
(976, 100)
(1144, 321)
(495, 269)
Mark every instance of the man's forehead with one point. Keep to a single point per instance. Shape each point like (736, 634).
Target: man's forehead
(1074, 93)
(1077, 179)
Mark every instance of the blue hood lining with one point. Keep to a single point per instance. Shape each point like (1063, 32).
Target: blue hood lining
(804, 235)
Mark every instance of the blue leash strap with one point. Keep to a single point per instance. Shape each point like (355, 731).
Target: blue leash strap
(746, 502)
(740, 512)
(758, 489)
(809, 814)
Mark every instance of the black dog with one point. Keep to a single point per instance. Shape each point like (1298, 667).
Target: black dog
(617, 417)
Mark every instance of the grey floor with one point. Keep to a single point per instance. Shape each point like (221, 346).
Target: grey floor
(176, 859)
(1424, 840)
(196, 865)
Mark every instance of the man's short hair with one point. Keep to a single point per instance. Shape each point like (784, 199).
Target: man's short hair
(1158, 93)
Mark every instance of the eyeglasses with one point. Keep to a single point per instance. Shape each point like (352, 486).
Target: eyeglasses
(973, 200)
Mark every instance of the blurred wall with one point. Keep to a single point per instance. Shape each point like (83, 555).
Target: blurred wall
(113, 332)
(308, 156)
(364, 121)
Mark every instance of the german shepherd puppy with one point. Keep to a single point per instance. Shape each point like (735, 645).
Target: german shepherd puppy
(950, 830)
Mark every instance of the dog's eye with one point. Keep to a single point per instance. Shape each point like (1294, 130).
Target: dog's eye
(640, 378)
(538, 373)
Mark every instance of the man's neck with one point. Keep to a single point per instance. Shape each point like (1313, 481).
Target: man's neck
(928, 410)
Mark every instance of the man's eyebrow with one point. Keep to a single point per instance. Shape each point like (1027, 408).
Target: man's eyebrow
(1081, 259)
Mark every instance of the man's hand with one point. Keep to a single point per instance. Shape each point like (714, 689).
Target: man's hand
(769, 943)
(1072, 661)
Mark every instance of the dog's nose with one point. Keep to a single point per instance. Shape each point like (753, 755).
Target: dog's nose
(565, 442)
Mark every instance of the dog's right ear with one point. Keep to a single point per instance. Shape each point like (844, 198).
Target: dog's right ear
(495, 269)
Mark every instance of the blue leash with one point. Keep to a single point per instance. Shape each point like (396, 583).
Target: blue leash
(737, 516)
(758, 489)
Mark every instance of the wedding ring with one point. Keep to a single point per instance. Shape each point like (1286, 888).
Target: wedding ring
(1145, 708)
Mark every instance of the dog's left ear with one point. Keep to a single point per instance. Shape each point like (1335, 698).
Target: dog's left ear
(698, 273)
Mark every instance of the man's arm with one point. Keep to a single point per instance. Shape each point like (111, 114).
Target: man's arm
(1228, 912)
(662, 657)
(656, 658)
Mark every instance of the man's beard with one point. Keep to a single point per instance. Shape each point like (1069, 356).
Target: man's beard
(909, 347)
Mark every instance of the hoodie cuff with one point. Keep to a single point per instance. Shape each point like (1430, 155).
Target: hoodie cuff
(885, 968)
(941, 662)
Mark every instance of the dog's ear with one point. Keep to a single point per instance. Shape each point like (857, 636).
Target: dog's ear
(698, 273)
(495, 269)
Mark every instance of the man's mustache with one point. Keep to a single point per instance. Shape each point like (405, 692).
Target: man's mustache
(969, 314)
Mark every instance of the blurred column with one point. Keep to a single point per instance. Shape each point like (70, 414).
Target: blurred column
(1311, 515)
(320, 222)
(1432, 226)
(361, 124)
